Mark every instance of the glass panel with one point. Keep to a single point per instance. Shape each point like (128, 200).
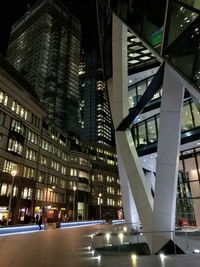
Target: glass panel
(17, 126)
(184, 62)
(193, 3)
(142, 17)
(187, 123)
(132, 97)
(141, 88)
(151, 130)
(157, 95)
(183, 38)
(142, 134)
(180, 19)
(196, 116)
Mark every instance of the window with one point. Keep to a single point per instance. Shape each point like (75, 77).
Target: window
(142, 134)
(187, 122)
(18, 109)
(151, 130)
(39, 194)
(43, 160)
(9, 166)
(73, 172)
(100, 178)
(63, 170)
(40, 177)
(29, 172)
(31, 154)
(3, 98)
(18, 127)
(15, 146)
(27, 193)
(3, 190)
(55, 165)
(33, 137)
(195, 113)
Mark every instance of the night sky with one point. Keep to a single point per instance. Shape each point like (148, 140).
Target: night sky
(85, 10)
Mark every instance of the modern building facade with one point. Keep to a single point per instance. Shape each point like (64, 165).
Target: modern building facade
(156, 119)
(54, 176)
(105, 195)
(44, 46)
(96, 118)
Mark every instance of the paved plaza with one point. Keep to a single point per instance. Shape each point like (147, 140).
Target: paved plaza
(72, 247)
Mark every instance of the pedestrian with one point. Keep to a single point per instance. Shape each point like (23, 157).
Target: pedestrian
(40, 222)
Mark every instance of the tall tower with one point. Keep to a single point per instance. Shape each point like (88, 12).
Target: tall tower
(44, 46)
(95, 111)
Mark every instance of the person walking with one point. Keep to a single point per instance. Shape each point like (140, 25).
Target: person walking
(40, 222)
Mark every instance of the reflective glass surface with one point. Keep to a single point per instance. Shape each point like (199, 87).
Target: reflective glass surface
(142, 134)
(151, 131)
(146, 132)
(187, 122)
(137, 90)
(183, 38)
(179, 19)
(196, 116)
(143, 16)
(193, 3)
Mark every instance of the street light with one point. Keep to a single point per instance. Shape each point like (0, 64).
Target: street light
(74, 198)
(100, 195)
(13, 173)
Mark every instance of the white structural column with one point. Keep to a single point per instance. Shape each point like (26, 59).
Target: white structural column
(168, 159)
(119, 108)
(139, 186)
(129, 207)
(118, 85)
(130, 210)
(129, 164)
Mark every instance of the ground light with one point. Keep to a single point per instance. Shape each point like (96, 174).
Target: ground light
(134, 259)
(162, 256)
(196, 251)
(125, 229)
(98, 257)
(91, 252)
(108, 237)
(121, 237)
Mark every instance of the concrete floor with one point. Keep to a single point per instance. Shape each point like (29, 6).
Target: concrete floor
(69, 248)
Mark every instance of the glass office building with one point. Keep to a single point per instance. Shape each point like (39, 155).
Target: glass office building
(96, 118)
(162, 38)
(44, 46)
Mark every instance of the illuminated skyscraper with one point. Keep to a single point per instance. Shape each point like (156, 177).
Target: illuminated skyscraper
(96, 119)
(44, 46)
